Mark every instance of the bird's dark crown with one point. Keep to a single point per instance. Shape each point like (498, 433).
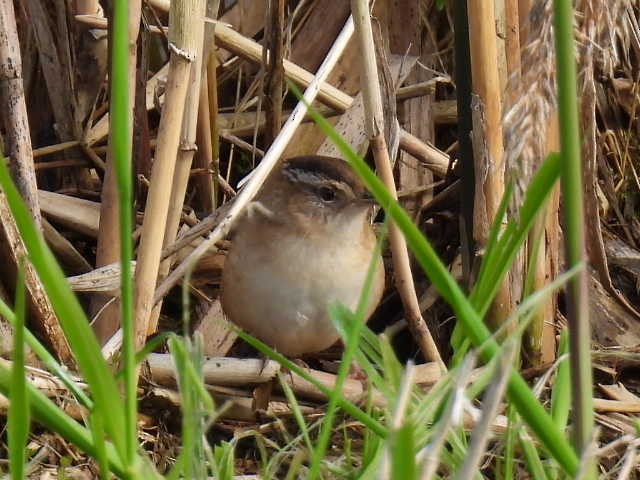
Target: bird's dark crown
(315, 170)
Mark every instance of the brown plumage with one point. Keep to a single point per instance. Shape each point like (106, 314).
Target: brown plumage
(305, 243)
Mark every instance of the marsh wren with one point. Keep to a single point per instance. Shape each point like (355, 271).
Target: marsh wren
(305, 243)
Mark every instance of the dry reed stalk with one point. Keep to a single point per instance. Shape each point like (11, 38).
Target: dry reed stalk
(261, 172)
(501, 35)
(12, 104)
(186, 150)
(274, 69)
(212, 85)
(94, 63)
(374, 122)
(185, 42)
(593, 16)
(236, 372)
(238, 142)
(235, 405)
(322, 24)
(76, 214)
(43, 317)
(204, 199)
(58, 147)
(433, 158)
(245, 124)
(489, 174)
(408, 34)
(108, 245)
(207, 137)
(253, 51)
(512, 38)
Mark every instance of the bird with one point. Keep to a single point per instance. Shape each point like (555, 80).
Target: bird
(305, 243)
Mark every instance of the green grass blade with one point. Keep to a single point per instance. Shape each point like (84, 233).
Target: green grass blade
(510, 443)
(46, 413)
(121, 130)
(532, 459)
(403, 453)
(492, 252)
(572, 203)
(516, 233)
(72, 318)
(561, 393)
(97, 430)
(19, 416)
(47, 359)
(297, 413)
(351, 340)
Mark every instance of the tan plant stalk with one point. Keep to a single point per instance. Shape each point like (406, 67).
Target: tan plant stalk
(274, 78)
(108, 245)
(14, 108)
(374, 123)
(184, 45)
(186, 152)
(489, 176)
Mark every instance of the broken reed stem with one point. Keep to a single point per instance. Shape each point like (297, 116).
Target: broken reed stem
(14, 108)
(374, 123)
(184, 46)
(269, 161)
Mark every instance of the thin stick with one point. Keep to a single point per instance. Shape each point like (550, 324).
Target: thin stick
(374, 122)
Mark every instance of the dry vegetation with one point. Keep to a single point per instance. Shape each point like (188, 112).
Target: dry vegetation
(233, 115)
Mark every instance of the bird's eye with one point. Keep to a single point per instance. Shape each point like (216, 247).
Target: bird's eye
(327, 194)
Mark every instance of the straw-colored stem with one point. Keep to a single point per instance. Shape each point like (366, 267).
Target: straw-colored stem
(184, 46)
(489, 177)
(108, 245)
(14, 112)
(374, 122)
(274, 79)
(185, 152)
